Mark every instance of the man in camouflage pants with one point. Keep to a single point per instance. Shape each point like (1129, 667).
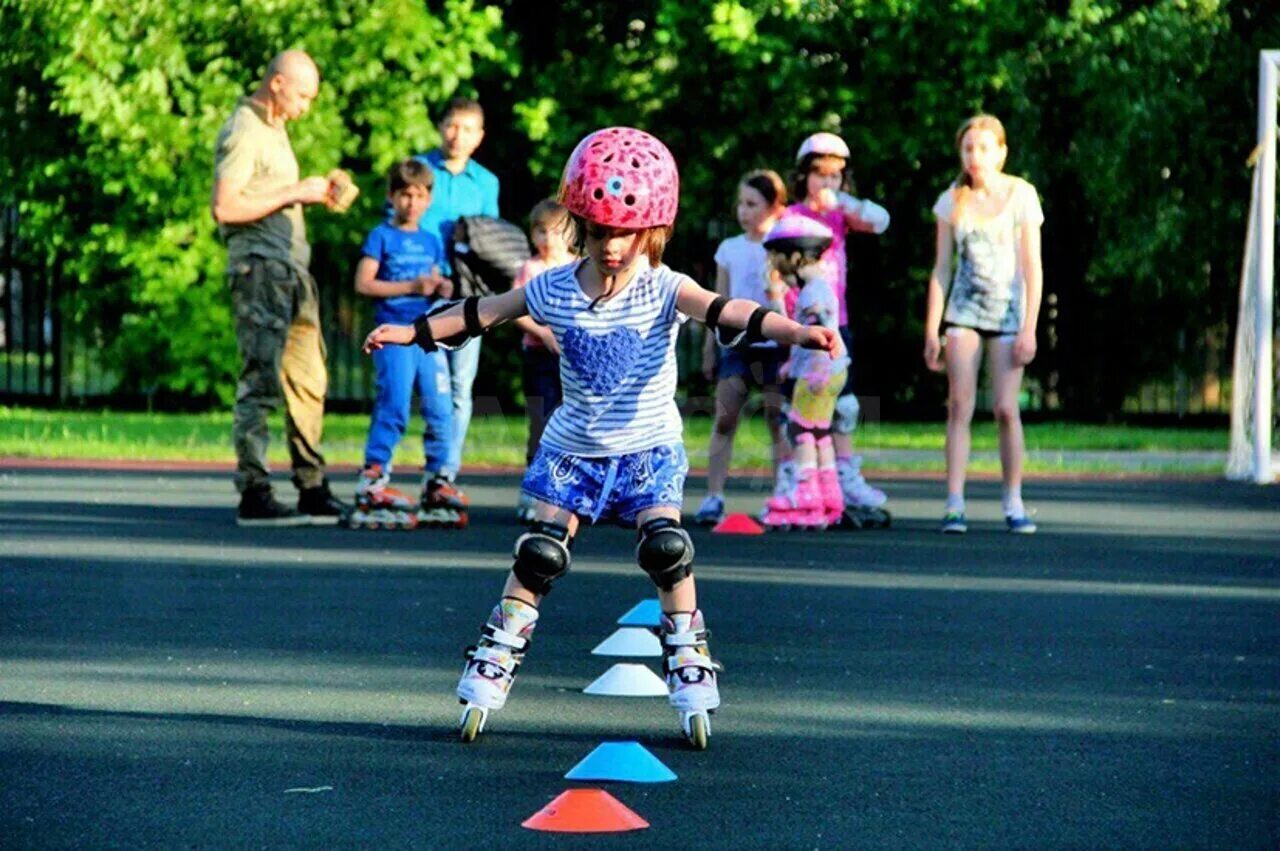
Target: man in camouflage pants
(257, 202)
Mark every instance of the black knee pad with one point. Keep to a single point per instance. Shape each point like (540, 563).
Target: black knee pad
(542, 556)
(665, 552)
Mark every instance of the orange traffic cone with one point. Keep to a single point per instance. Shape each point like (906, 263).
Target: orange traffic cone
(585, 811)
(738, 524)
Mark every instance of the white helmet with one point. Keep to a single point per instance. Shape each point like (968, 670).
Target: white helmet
(823, 144)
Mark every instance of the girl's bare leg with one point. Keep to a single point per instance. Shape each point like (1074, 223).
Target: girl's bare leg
(731, 393)
(963, 356)
(1006, 383)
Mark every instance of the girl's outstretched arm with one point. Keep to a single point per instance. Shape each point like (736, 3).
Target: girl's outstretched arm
(491, 310)
(943, 247)
(692, 300)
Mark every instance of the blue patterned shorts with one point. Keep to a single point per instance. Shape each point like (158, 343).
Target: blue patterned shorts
(613, 488)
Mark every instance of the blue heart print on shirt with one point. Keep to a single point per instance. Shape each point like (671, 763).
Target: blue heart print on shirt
(602, 361)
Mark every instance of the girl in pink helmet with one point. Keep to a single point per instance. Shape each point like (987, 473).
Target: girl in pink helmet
(612, 450)
(990, 221)
(814, 501)
(742, 272)
(819, 188)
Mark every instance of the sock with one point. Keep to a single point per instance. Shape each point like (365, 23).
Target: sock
(1013, 506)
(955, 502)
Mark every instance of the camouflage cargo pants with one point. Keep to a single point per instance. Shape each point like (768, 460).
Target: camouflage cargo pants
(277, 316)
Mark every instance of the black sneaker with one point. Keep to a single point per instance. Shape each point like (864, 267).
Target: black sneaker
(321, 507)
(259, 507)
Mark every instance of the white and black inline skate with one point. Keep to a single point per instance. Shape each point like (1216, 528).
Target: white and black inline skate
(380, 506)
(492, 663)
(691, 674)
(863, 504)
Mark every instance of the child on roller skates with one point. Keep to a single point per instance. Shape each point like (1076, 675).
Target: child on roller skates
(741, 272)
(819, 188)
(552, 231)
(399, 269)
(612, 450)
(814, 501)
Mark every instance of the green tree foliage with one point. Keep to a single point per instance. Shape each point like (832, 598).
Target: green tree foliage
(1133, 119)
(111, 110)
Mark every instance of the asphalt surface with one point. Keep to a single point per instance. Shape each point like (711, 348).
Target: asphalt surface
(170, 680)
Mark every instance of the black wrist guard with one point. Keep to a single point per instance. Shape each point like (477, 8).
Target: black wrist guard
(470, 318)
(422, 333)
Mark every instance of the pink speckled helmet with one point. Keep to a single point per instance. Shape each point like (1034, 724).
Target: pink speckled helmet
(823, 144)
(621, 177)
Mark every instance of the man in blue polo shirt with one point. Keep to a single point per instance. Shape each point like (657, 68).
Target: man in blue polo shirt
(463, 187)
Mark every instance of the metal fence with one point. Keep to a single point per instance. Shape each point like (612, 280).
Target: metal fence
(40, 364)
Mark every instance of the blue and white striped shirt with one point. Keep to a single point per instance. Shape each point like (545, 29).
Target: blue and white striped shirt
(617, 361)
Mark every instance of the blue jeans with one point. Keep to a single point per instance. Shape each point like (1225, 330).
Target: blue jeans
(463, 365)
(398, 371)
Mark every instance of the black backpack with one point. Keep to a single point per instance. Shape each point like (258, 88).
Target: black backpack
(486, 254)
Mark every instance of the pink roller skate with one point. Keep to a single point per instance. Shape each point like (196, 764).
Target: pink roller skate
(809, 512)
(778, 510)
(801, 508)
(832, 496)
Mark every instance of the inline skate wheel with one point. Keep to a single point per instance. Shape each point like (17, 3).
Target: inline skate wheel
(697, 729)
(472, 723)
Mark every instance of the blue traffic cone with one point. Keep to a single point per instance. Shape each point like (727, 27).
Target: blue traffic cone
(630, 762)
(644, 613)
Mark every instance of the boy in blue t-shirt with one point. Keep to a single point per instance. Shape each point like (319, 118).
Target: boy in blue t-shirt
(400, 270)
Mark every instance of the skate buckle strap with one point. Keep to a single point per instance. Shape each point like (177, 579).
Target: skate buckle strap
(689, 659)
(501, 636)
(495, 656)
(686, 639)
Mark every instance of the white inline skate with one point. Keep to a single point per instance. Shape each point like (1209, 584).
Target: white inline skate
(691, 674)
(492, 663)
(864, 504)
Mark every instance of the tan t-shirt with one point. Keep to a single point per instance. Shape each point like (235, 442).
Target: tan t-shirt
(258, 154)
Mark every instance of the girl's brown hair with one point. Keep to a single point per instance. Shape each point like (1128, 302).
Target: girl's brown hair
(800, 177)
(653, 241)
(768, 184)
(962, 190)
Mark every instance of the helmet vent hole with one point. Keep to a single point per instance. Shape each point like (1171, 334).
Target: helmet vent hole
(598, 194)
(635, 162)
(629, 200)
(608, 158)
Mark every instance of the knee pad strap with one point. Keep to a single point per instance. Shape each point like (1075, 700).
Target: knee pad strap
(542, 556)
(665, 552)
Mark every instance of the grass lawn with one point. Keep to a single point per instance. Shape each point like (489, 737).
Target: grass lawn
(496, 440)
